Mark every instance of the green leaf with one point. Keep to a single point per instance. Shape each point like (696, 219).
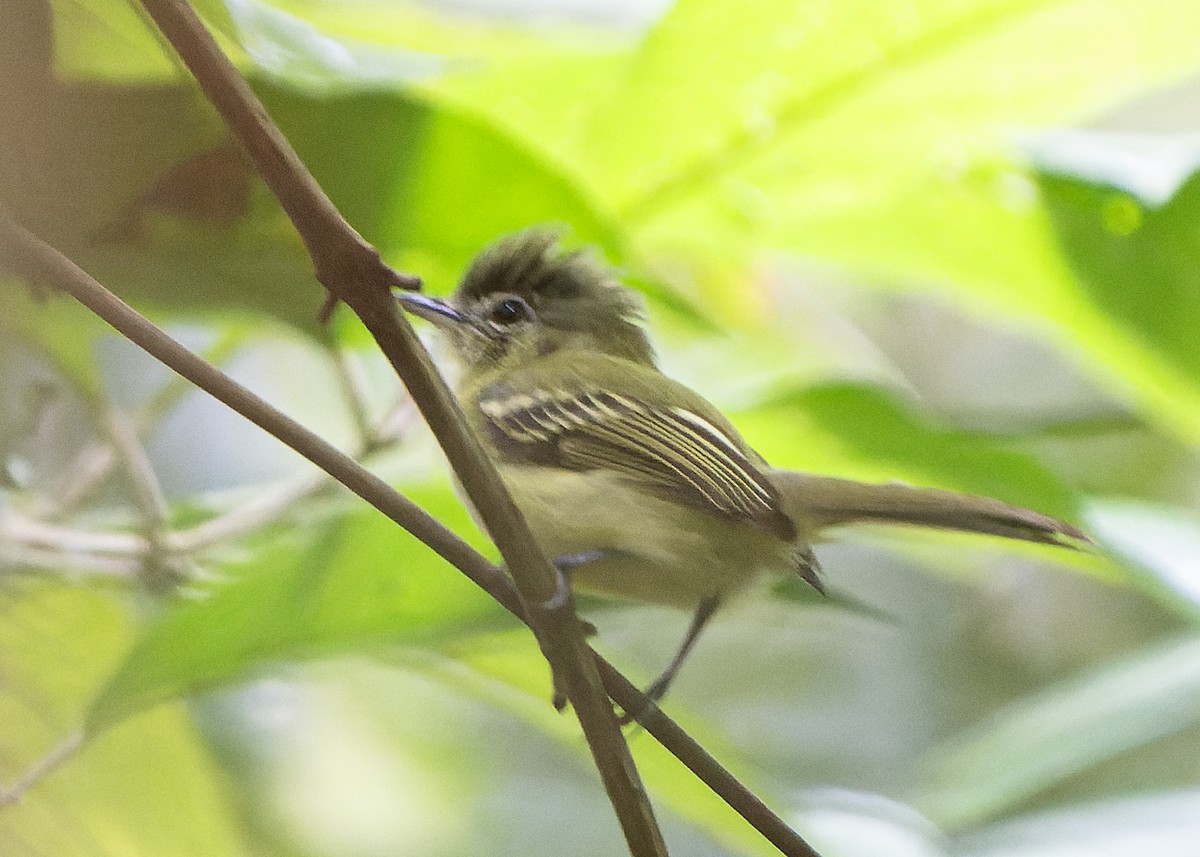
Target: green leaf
(99, 40)
(821, 81)
(1136, 261)
(1037, 742)
(148, 787)
(875, 137)
(881, 145)
(356, 581)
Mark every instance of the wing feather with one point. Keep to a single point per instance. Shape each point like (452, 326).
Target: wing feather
(670, 449)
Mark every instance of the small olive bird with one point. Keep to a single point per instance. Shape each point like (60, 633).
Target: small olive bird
(636, 486)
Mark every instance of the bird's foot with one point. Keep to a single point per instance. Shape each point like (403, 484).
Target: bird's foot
(561, 596)
(564, 565)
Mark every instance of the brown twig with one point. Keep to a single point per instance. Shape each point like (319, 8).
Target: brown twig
(352, 271)
(161, 571)
(87, 471)
(353, 385)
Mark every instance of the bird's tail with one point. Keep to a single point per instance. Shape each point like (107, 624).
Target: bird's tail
(816, 503)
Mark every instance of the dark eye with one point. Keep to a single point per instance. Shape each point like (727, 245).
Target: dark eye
(511, 310)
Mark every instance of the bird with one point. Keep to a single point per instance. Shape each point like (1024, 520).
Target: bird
(634, 485)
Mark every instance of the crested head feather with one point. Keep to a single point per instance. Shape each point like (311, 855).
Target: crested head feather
(529, 262)
(569, 290)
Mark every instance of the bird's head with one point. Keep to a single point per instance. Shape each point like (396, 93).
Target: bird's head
(524, 297)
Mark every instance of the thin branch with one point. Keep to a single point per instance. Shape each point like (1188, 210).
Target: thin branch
(86, 472)
(94, 463)
(19, 529)
(354, 388)
(29, 537)
(38, 262)
(160, 571)
(42, 768)
(52, 561)
(265, 507)
(353, 272)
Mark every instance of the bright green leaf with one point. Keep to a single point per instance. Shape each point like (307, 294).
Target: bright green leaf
(872, 136)
(147, 787)
(1136, 262)
(354, 582)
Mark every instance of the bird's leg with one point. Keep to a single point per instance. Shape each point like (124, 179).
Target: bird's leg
(658, 687)
(564, 565)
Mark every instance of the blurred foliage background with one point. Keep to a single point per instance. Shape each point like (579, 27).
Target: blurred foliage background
(945, 241)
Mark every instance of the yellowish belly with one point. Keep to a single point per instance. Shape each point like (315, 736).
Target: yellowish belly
(654, 550)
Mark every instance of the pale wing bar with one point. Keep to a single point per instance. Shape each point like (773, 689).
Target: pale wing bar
(679, 450)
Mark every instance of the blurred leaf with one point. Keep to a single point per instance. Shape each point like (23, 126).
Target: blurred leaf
(1039, 741)
(144, 788)
(1135, 260)
(159, 210)
(1165, 825)
(840, 101)
(876, 137)
(1150, 167)
(103, 40)
(878, 144)
(352, 582)
(1162, 542)
(810, 87)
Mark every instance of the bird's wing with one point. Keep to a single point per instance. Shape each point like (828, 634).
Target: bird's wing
(671, 450)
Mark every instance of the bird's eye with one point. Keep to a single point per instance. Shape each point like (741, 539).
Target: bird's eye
(511, 310)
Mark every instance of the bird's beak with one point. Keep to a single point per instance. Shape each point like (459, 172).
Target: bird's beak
(434, 310)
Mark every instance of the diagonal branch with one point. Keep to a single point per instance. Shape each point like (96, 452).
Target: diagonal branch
(353, 272)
